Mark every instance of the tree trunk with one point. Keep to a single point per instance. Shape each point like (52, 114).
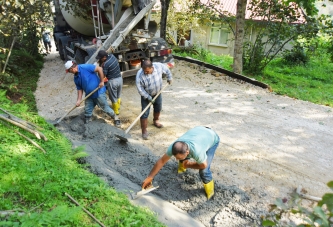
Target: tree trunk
(164, 15)
(239, 36)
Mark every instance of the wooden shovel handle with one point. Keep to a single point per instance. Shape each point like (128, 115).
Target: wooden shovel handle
(87, 96)
(143, 111)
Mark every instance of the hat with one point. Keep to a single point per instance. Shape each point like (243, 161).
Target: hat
(47, 31)
(101, 54)
(68, 65)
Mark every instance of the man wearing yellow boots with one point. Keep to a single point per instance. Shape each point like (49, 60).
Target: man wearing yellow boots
(200, 144)
(111, 71)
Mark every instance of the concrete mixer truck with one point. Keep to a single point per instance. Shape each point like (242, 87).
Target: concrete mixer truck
(121, 27)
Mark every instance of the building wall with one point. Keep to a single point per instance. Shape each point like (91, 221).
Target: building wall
(203, 38)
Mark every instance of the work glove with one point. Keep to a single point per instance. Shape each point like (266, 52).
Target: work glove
(150, 99)
(147, 182)
(169, 82)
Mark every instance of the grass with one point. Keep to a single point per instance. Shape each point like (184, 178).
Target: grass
(35, 183)
(312, 82)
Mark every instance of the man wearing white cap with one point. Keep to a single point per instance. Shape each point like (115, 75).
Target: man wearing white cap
(86, 80)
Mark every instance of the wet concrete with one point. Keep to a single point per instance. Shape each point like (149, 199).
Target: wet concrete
(125, 165)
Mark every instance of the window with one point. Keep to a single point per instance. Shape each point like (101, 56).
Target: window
(218, 35)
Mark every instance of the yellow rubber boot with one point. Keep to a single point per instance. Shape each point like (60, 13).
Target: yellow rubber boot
(118, 101)
(115, 108)
(118, 107)
(181, 168)
(209, 189)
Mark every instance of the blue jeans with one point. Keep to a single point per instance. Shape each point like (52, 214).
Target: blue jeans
(114, 87)
(101, 101)
(157, 106)
(206, 174)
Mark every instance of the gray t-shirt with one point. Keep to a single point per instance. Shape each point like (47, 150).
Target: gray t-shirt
(199, 139)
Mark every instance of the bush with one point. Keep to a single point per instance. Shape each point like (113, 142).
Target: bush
(320, 215)
(296, 55)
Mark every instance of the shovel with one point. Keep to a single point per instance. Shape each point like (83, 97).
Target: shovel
(87, 96)
(125, 136)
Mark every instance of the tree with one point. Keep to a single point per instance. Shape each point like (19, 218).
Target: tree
(22, 19)
(239, 36)
(164, 17)
(20, 29)
(280, 25)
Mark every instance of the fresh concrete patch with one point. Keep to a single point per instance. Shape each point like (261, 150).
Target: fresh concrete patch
(167, 213)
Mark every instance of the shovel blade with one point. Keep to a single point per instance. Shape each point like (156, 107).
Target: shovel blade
(123, 137)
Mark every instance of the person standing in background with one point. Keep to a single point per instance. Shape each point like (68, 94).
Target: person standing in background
(47, 41)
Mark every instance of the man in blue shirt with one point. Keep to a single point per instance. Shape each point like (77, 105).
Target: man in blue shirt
(149, 82)
(86, 79)
(111, 70)
(47, 41)
(199, 144)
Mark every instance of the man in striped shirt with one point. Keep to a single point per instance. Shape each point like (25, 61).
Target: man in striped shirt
(149, 83)
(111, 71)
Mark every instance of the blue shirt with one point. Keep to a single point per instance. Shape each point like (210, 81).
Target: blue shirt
(198, 139)
(46, 37)
(111, 67)
(151, 84)
(86, 79)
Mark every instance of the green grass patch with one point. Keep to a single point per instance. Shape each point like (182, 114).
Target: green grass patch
(223, 61)
(312, 82)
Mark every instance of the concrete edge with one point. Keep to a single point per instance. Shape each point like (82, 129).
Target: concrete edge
(221, 70)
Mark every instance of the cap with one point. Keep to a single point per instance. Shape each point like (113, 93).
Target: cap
(47, 31)
(101, 53)
(68, 65)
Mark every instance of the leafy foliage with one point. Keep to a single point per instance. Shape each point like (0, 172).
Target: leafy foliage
(77, 8)
(181, 19)
(23, 19)
(320, 215)
(282, 24)
(296, 55)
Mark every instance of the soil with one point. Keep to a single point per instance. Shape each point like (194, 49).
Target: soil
(270, 144)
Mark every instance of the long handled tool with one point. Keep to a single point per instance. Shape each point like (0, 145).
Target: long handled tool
(58, 121)
(125, 136)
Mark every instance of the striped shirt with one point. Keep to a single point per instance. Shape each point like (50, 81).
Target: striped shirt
(111, 68)
(151, 84)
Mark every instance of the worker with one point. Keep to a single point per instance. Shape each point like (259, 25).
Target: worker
(111, 70)
(86, 80)
(198, 143)
(149, 83)
(47, 41)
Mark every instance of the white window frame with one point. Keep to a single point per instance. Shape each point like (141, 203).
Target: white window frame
(221, 29)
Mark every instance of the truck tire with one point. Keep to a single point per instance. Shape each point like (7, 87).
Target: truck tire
(80, 56)
(61, 51)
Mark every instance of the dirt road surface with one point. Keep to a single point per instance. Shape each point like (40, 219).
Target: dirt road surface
(269, 145)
